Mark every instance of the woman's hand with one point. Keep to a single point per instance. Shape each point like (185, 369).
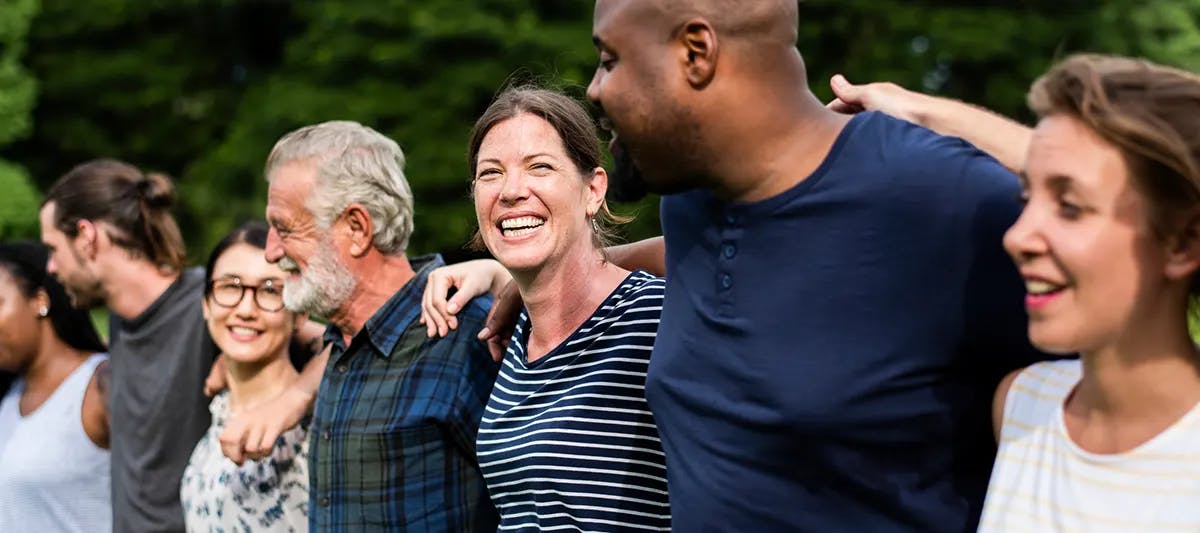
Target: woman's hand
(469, 279)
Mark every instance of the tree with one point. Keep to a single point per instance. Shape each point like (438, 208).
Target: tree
(18, 201)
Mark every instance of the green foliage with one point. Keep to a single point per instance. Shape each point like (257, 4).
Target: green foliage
(201, 89)
(18, 198)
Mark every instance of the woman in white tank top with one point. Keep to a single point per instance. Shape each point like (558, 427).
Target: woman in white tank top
(1109, 246)
(54, 463)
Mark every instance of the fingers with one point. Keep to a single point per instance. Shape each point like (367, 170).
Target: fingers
(840, 106)
(497, 346)
(436, 287)
(253, 439)
(215, 382)
(232, 442)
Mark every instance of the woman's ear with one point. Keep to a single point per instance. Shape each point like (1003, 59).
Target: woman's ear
(41, 303)
(204, 308)
(597, 187)
(1183, 250)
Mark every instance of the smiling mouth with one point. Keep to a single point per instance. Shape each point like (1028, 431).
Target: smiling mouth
(243, 334)
(1042, 288)
(520, 226)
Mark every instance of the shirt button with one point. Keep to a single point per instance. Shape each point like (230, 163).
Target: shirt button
(726, 281)
(325, 435)
(730, 219)
(341, 369)
(729, 250)
(324, 502)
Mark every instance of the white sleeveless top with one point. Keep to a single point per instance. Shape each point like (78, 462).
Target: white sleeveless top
(52, 476)
(1042, 481)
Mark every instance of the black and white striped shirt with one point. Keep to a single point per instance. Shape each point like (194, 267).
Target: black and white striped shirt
(567, 442)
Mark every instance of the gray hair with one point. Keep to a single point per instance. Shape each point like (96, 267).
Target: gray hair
(355, 164)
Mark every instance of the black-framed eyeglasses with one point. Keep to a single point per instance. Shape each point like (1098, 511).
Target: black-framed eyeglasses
(229, 292)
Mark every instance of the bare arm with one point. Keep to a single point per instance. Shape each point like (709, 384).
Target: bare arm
(998, 402)
(95, 407)
(647, 254)
(1002, 138)
(252, 433)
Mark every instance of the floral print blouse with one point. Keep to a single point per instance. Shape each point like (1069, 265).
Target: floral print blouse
(268, 495)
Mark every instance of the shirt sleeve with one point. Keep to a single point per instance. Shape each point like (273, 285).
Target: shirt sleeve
(476, 379)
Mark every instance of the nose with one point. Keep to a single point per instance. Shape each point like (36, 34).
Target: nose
(247, 307)
(593, 88)
(51, 267)
(1024, 240)
(514, 189)
(274, 249)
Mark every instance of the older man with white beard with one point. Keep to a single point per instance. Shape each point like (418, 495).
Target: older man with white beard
(393, 430)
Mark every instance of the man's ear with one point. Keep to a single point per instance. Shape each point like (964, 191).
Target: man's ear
(87, 239)
(699, 40)
(1183, 250)
(361, 229)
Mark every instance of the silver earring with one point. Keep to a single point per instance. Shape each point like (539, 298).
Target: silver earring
(44, 312)
(595, 226)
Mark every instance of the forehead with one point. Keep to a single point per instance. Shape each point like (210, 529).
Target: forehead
(46, 221)
(247, 262)
(615, 20)
(289, 186)
(523, 135)
(1063, 146)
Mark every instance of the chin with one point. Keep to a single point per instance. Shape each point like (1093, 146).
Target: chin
(1054, 341)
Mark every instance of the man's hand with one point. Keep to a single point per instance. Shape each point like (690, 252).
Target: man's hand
(469, 279)
(215, 382)
(251, 434)
(502, 320)
(887, 97)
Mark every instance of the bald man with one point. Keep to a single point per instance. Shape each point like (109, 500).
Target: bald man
(839, 308)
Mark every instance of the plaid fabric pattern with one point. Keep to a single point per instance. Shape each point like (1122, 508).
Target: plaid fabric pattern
(393, 433)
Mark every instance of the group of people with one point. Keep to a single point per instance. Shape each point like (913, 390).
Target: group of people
(889, 312)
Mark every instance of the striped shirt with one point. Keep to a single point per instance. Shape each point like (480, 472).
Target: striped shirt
(567, 442)
(1042, 481)
(393, 433)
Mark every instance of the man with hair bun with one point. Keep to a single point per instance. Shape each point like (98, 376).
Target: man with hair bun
(114, 243)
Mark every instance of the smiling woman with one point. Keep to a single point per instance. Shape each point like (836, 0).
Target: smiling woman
(1109, 246)
(567, 441)
(243, 307)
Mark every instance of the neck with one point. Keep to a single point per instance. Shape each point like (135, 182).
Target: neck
(561, 297)
(252, 383)
(776, 144)
(1152, 372)
(54, 361)
(381, 277)
(133, 285)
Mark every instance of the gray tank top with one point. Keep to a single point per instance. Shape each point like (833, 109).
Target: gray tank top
(52, 476)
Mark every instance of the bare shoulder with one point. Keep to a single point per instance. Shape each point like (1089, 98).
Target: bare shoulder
(999, 399)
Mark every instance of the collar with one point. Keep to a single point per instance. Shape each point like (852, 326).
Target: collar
(383, 330)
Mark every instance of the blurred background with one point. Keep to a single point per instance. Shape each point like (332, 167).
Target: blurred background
(201, 89)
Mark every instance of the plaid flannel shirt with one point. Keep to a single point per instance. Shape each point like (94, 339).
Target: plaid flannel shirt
(393, 432)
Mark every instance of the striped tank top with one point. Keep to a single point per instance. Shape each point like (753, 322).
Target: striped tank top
(1043, 482)
(567, 442)
(52, 476)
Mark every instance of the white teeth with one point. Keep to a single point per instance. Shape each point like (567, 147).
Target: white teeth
(243, 331)
(521, 222)
(518, 232)
(1040, 287)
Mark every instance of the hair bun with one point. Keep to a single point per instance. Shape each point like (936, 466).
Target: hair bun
(156, 190)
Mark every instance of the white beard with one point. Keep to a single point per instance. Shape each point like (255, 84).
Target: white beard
(323, 287)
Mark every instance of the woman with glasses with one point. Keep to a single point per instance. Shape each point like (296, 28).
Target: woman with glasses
(243, 307)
